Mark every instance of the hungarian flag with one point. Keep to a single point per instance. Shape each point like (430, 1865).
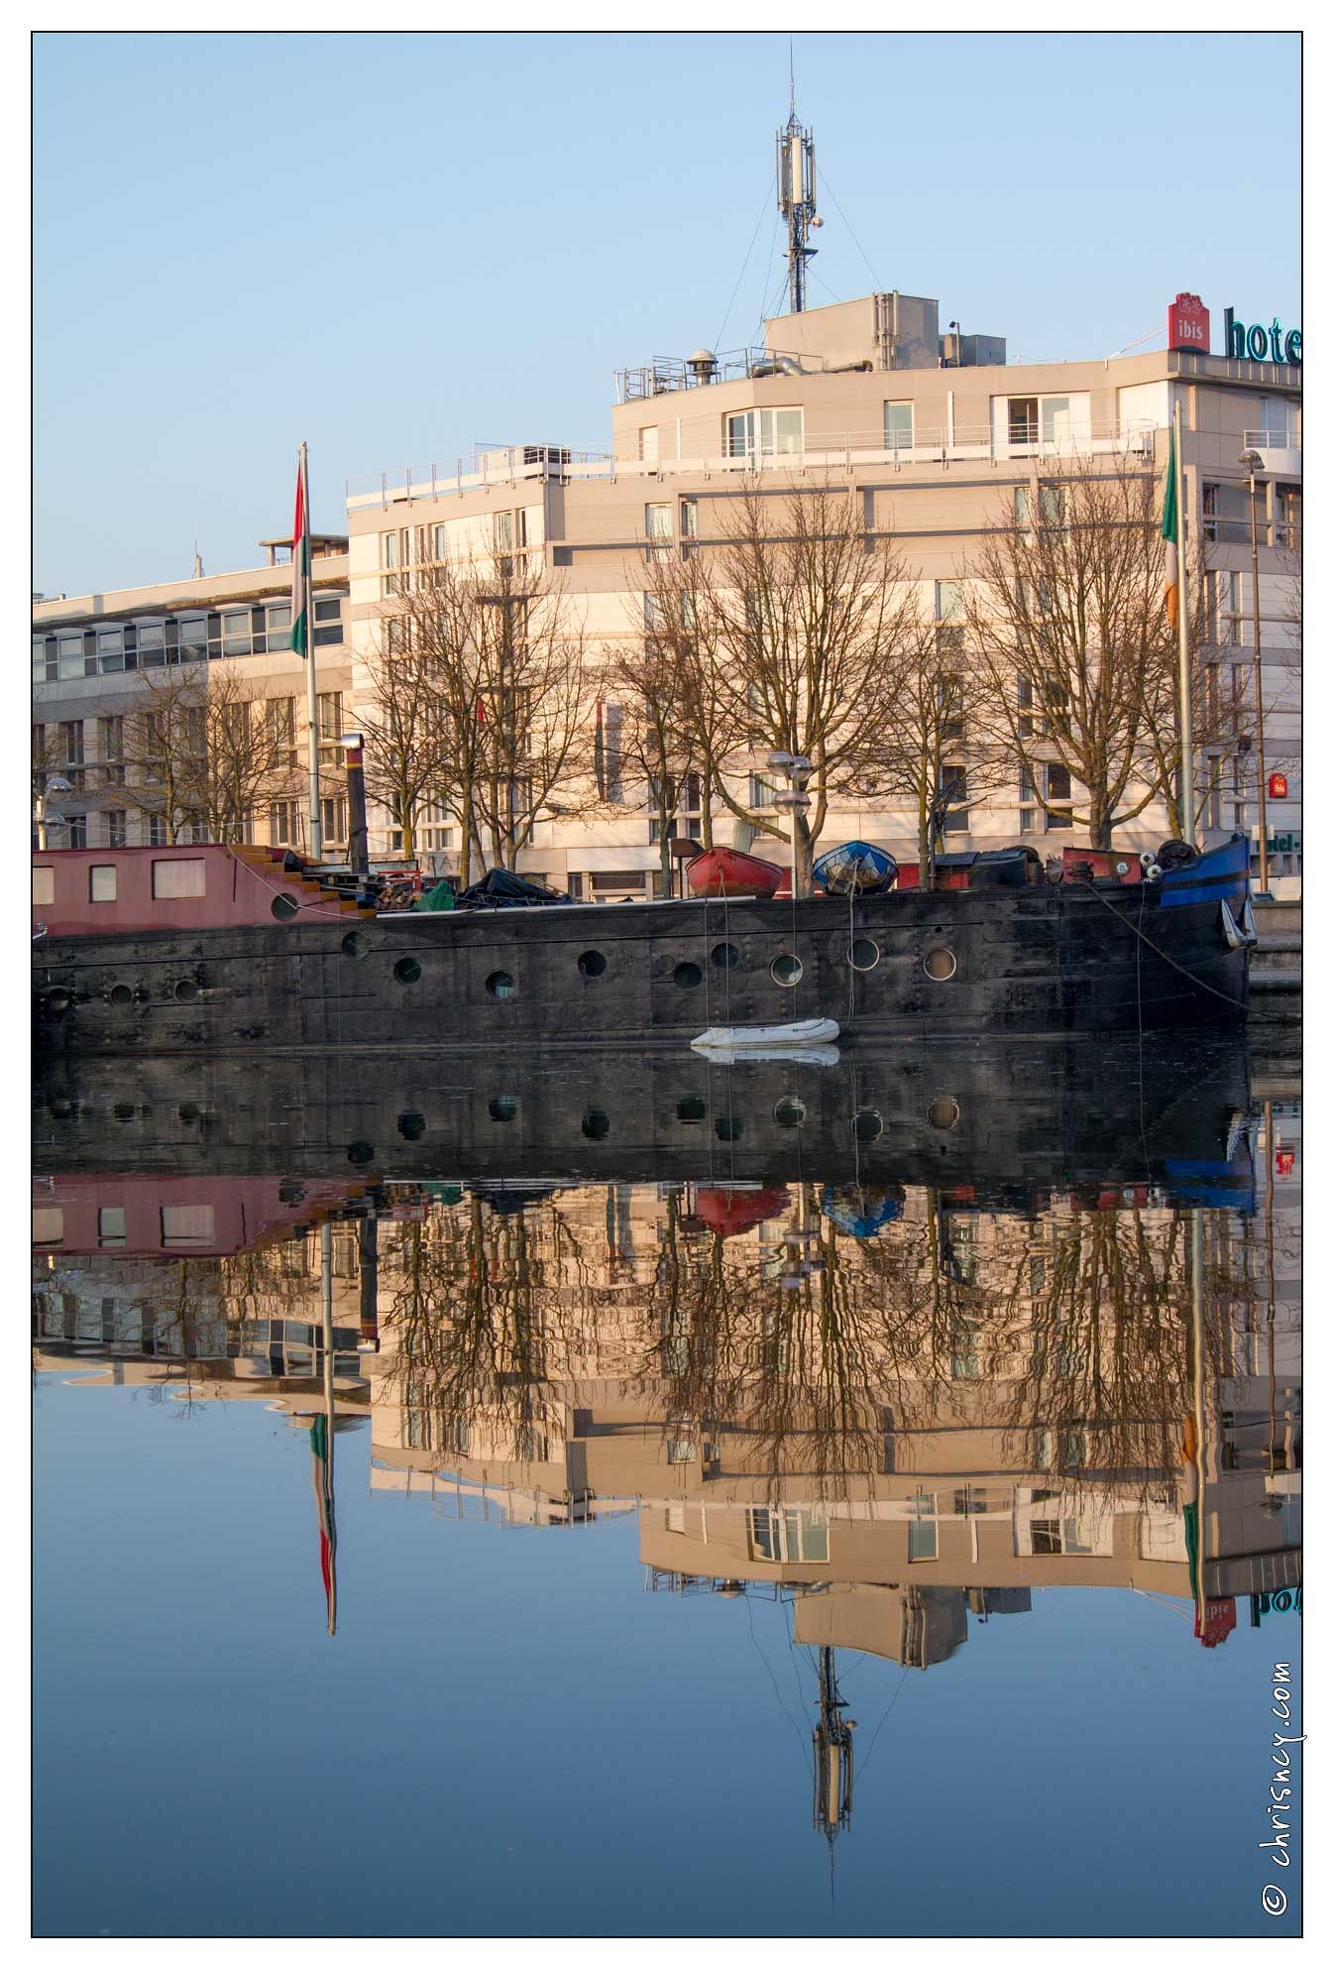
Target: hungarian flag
(300, 638)
(323, 1476)
(1172, 535)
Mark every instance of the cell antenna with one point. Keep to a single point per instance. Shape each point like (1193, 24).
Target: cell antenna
(796, 195)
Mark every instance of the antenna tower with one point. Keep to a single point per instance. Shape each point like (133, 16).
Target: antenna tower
(796, 199)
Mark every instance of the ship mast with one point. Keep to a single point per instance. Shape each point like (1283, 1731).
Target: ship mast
(832, 1738)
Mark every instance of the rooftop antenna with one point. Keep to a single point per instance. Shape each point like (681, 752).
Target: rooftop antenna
(199, 565)
(796, 193)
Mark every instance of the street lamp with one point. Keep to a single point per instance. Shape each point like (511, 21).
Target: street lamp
(795, 800)
(1253, 463)
(47, 819)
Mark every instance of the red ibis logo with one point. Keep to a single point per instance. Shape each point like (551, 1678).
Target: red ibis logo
(1285, 1161)
(1278, 786)
(1188, 324)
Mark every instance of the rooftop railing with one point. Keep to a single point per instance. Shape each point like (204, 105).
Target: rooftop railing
(662, 374)
(518, 465)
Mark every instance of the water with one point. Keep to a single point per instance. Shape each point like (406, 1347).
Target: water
(624, 1472)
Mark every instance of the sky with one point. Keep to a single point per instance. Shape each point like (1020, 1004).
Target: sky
(397, 246)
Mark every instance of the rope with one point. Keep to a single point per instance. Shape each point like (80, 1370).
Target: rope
(1238, 1004)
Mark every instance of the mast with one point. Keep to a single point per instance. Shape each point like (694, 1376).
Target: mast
(832, 1738)
(796, 199)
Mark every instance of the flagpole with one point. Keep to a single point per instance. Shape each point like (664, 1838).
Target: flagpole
(302, 547)
(1186, 725)
(326, 1310)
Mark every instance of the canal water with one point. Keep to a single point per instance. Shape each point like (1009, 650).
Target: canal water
(765, 1514)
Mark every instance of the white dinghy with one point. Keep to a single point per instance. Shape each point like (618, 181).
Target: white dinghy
(799, 1037)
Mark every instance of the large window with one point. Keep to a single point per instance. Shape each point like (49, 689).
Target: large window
(898, 427)
(658, 531)
(789, 1536)
(754, 434)
(1058, 792)
(922, 1527)
(179, 878)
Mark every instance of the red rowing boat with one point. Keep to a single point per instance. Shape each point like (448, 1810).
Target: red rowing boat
(727, 872)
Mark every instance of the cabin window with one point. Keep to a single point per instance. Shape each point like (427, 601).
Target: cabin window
(111, 1226)
(592, 964)
(187, 1223)
(48, 1226)
(786, 970)
(504, 1107)
(102, 883)
(43, 887)
(173, 879)
(688, 976)
(940, 964)
(790, 1112)
(867, 1125)
(500, 984)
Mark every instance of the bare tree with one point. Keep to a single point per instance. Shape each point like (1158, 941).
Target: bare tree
(404, 732)
(1075, 646)
(199, 750)
(815, 620)
(498, 673)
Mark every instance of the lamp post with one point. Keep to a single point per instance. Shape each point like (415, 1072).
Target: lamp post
(796, 800)
(1253, 463)
(46, 819)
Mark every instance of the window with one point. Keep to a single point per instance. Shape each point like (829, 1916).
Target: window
(648, 443)
(71, 657)
(689, 520)
(327, 611)
(236, 632)
(922, 1527)
(1054, 415)
(43, 887)
(333, 819)
(48, 1225)
(898, 427)
(1023, 507)
(330, 716)
(658, 531)
(1278, 424)
(157, 831)
(1058, 790)
(655, 615)
(284, 824)
(1023, 420)
(111, 649)
(110, 1226)
(116, 829)
(1024, 699)
(1051, 505)
(753, 434)
(440, 542)
(173, 879)
(1287, 516)
(111, 737)
(1227, 513)
(102, 883)
(71, 742)
(78, 830)
(504, 532)
(1028, 802)
(949, 615)
(280, 724)
(45, 663)
(389, 553)
(954, 798)
(789, 1536)
(187, 1223)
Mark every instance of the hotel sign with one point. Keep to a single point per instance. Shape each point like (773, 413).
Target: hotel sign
(1261, 344)
(1188, 324)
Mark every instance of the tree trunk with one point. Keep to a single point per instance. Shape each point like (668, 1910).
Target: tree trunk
(925, 845)
(802, 856)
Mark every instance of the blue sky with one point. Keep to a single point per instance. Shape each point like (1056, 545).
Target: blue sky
(395, 246)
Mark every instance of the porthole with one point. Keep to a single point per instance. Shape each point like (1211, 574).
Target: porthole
(865, 954)
(124, 1110)
(943, 1112)
(284, 908)
(356, 944)
(411, 1126)
(57, 1002)
(500, 984)
(786, 969)
(596, 1125)
(592, 964)
(867, 1125)
(188, 1111)
(688, 976)
(728, 1128)
(62, 1109)
(407, 970)
(186, 989)
(360, 1152)
(940, 964)
(790, 1112)
(121, 995)
(691, 1110)
(503, 1108)
(725, 955)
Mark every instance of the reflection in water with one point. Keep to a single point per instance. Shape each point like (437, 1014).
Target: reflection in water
(894, 1404)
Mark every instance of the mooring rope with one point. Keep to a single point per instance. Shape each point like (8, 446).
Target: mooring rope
(1238, 1004)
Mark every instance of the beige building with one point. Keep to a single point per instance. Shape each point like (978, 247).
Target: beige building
(940, 437)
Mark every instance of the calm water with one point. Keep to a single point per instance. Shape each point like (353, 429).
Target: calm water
(606, 1479)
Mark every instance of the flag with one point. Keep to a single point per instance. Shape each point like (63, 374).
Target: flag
(319, 1452)
(300, 638)
(1172, 535)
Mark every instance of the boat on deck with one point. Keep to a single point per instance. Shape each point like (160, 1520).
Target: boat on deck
(728, 872)
(212, 948)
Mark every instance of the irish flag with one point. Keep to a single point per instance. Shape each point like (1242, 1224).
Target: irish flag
(301, 563)
(1171, 534)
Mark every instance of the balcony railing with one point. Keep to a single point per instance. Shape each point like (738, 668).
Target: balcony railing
(828, 451)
